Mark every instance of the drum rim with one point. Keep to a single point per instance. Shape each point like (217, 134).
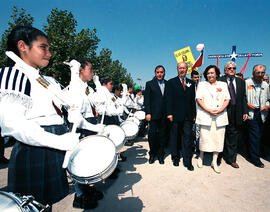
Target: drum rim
(18, 200)
(112, 165)
(98, 177)
(12, 196)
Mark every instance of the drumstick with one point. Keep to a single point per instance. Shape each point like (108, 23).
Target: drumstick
(68, 153)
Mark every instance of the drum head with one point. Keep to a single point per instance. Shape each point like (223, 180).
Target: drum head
(131, 129)
(134, 119)
(140, 115)
(116, 134)
(92, 156)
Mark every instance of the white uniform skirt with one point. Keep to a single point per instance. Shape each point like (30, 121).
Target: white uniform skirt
(212, 138)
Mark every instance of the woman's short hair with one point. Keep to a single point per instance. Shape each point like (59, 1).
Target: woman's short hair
(208, 68)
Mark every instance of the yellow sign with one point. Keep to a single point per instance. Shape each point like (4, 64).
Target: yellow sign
(185, 55)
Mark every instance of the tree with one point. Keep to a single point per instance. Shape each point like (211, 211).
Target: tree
(105, 66)
(66, 44)
(18, 17)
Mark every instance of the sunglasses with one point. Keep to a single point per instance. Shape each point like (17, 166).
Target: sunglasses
(231, 68)
(259, 72)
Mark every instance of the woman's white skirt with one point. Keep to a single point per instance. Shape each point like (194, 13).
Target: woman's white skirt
(212, 138)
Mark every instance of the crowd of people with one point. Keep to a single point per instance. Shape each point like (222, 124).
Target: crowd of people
(48, 121)
(206, 116)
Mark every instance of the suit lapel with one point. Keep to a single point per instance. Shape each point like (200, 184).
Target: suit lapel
(156, 86)
(178, 83)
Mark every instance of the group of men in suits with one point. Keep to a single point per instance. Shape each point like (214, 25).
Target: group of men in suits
(172, 103)
(163, 102)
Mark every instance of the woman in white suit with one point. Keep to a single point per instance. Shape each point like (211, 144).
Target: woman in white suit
(212, 97)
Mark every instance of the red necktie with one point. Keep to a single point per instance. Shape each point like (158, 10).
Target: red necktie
(58, 111)
(183, 83)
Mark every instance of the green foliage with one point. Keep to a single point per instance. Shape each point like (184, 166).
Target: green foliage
(18, 17)
(105, 66)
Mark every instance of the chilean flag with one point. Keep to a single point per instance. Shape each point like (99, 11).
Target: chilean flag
(199, 61)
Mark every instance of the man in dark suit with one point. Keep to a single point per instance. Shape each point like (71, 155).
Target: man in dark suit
(181, 111)
(154, 102)
(236, 110)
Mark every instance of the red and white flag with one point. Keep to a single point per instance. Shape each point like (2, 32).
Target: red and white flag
(199, 61)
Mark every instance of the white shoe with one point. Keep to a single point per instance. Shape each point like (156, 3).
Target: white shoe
(216, 169)
(199, 163)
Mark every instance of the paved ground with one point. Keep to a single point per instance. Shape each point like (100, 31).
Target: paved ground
(159, 188)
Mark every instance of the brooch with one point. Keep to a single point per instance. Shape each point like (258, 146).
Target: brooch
(219, 89)
(250, 87)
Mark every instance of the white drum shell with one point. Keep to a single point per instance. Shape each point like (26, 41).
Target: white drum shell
(93, 159)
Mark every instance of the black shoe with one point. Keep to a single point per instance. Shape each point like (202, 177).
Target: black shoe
(176, 162)
(3, 160)
(84, 202)
(259, 164)
(190, 167)
(92, 191)
(122, 158)
(161, 161)
(151, 159)
(129, 143)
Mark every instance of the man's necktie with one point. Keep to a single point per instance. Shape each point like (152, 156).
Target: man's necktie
(183, 83)
(232, 91)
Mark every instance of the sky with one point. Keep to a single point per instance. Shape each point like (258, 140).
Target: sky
(145, 33)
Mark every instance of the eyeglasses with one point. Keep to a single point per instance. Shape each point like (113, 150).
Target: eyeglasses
(231, 68)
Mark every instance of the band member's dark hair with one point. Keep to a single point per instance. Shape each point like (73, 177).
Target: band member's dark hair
(27, 34)
(83, 61)
(105, 80)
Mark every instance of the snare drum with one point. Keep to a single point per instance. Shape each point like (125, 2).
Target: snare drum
(93, 159)
(13, 203)
(139, 115)
(134, 119)
(131, 129)
(116, 134)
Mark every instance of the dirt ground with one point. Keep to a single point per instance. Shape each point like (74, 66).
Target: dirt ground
(158, 188)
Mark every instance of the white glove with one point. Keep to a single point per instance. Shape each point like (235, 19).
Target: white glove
(68, 141)
(96, 81)
(125, 89)
(75, 66)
